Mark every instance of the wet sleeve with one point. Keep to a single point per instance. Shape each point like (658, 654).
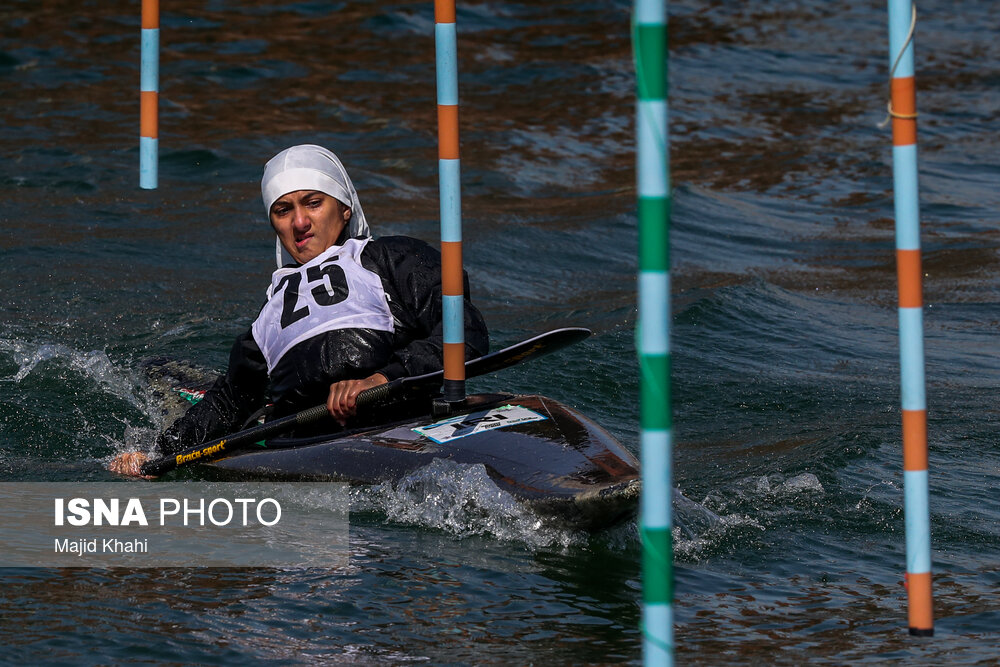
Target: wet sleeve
(226, 406)
(413, 269)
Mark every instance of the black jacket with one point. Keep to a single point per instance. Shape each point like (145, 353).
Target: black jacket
(410, 271)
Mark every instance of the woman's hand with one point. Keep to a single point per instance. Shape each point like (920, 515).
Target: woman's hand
(342, 402)
(129, 463)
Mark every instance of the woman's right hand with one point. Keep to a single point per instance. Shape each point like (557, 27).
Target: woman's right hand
(342, 401)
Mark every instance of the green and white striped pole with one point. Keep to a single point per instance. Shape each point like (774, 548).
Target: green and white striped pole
(650, 45)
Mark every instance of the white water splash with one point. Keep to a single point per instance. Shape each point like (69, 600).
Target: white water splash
(28, 361)
(750, 507)
(460, 499)
(697, 529)
(94, 365)
(53, 359)
(806, 482)
(777, 485)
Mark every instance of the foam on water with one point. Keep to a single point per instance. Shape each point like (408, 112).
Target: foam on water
(462, 500)
(739, 513)
(75, 400)
(93, 365)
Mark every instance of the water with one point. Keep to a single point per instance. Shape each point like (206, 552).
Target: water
(788, 462)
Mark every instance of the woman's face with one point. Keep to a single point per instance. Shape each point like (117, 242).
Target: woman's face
(308, 222)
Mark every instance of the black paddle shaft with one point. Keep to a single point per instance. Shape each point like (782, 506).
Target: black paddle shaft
(215, 449)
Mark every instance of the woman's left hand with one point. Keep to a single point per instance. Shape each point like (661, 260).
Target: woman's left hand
(342, 402)
(129, 463)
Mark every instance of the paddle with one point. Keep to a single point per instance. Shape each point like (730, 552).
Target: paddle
(532, 348)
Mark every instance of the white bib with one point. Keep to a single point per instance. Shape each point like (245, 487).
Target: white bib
(332, 291)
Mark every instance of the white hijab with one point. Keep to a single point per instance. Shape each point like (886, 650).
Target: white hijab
(310, 167)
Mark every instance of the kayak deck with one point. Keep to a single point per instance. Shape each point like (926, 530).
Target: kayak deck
(563, 466)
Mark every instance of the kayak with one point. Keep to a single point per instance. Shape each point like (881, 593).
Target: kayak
(549, 457)
(546, 455)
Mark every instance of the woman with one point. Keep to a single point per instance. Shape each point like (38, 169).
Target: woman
(344, 312)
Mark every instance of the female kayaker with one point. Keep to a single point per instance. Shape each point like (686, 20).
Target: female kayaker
(344, 312)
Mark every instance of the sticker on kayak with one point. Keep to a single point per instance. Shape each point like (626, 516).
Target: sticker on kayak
(477, 422)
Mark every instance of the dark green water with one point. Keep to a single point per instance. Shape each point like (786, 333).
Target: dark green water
(786, 373)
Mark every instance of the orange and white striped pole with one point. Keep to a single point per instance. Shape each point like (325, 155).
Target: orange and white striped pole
(903, 110)
(452, 307)
(149, 86)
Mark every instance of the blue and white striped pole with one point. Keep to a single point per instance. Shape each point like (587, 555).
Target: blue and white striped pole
(149, 86)
(655, 522)
(452, 288)
(903, 110)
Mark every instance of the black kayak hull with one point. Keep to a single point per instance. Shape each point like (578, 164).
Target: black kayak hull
(564, 466)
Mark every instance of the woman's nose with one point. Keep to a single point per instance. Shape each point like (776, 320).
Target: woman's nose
(301, 219)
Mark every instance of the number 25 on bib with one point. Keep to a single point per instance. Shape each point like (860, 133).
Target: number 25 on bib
(331, 291)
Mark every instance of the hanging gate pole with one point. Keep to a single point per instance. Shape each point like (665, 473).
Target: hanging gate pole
(149, 86)
(903, 110)
(445, 40)
(650, 46)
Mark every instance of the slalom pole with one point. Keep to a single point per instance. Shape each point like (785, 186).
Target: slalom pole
(650, 46)
(149, 86)
(903, 110)
(453, 315)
